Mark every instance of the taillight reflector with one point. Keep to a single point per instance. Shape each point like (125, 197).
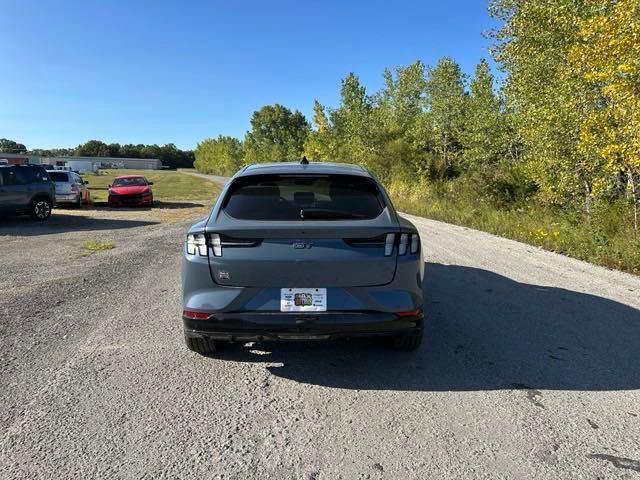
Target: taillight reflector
(195, 315)
(410, 313)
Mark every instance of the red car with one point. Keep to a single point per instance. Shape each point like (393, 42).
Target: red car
(130, 191)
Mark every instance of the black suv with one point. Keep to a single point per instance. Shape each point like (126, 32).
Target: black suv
(26, 190)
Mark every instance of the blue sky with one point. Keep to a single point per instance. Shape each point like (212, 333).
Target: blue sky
(170, 71)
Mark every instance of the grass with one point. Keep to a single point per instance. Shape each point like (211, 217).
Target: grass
(92, 246)
(168, 186)
(607, 240)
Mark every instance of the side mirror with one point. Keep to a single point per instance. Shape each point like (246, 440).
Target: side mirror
(109, 186)
(86, 182)
(150, 183)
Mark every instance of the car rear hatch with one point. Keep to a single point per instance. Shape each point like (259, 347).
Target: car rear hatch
(340, 241)
(61, 182)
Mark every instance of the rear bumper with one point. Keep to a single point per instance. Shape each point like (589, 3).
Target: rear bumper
(317, 326)
(66, 197)
(130, 201)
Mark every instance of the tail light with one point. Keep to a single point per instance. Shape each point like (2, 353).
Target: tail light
(216, 245)
(406, 242)
(197, 244)
(74, 188)
(388, 244)
(368, 242)
(415, 243)
(402, 246)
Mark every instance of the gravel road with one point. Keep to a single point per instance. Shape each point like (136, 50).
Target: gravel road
(530, 369)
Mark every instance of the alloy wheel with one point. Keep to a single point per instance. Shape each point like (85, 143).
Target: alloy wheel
(42, 209)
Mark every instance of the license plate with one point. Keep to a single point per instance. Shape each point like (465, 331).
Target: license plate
(303, 299)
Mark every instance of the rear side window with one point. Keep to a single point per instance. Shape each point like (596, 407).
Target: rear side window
(303, 197)
(59, 176)
(36, 174)
(14, 176)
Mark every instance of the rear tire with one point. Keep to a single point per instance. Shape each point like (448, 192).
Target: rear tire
(408, 342)
(202, 345)
(78, 203)
(41, 209)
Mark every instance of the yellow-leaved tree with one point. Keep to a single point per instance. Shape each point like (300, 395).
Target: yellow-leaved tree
(608, 57)
(548, 96)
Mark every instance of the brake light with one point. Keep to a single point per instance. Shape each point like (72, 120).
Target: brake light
(195, 315)
(410, 313)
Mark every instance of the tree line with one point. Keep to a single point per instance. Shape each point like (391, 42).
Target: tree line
(169, 154)
(561, 130)
(426, 123)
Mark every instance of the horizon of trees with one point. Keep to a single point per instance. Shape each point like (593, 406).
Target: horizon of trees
(430, 123)
(169, 154)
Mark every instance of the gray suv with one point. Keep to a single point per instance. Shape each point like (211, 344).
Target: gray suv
(302, 251)
(26, 190)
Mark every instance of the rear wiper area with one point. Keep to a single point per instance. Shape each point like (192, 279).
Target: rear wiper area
(327, 214)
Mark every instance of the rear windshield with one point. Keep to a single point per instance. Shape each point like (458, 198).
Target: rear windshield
(131, 181)
(59, 176)
(303, 197)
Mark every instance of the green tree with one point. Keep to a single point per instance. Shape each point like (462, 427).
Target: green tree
(151, 151)
(277, 134)
(446, 102)
(52, 152)
(403, 97)
(321, 142)
(10, 146)
(402, 122)
(169, 154)
(130, 151)
(354, 125)
(485, 138)
(92, 148)
(220, 156)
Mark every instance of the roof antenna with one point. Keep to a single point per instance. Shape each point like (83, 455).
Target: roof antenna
(304, 161)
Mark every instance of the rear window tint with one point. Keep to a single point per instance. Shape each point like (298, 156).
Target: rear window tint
(303, 197)
(37, 175)
(59, 176)
(14, 176)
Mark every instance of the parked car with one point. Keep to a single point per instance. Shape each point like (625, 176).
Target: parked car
(70, 188)
(26, 190)
(302, 252)
(130, 191)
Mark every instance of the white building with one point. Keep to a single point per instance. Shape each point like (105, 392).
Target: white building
(94, 163)
(84, 164)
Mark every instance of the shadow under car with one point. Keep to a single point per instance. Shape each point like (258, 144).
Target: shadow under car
(483, 331)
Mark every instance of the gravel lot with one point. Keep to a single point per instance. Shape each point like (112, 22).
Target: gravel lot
(530, 369)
